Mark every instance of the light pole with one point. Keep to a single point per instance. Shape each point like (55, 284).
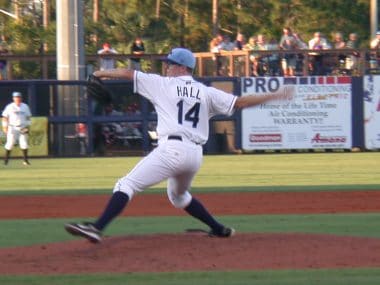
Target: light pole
(215, 20)
(70, 40)
(70, 66)
(374, 17)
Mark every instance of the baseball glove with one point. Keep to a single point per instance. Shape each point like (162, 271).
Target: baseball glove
(24, 131)
(98, 91)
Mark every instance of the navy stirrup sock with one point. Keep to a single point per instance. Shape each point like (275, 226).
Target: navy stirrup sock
(116, 204)
(25, 154)
(7, 154)
(197, 210)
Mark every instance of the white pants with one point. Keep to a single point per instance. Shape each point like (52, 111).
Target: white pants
(174, 160)
(15, 135)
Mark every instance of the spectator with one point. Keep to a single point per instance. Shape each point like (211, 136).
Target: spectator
(288, 42)
(318, 42)
(132, 129)
(375, 56)
(262, 42)
(109, 110)
(137, 49)
(215, 48)
(225, 45)
(300, 42)
(107, 62)
(240, 60)
(81, 134)
(111, 130)
(239, 42)
(263, 60)
(252, 46)
(353, 59)
(352, 41)
(273, 59)
(215, 43)
(339, 43)
(260, 63)
(375, 43)
(300, 57)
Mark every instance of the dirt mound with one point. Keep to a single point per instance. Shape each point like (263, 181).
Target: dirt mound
(192, 251)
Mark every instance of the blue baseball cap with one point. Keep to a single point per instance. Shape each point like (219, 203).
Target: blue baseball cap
(16, 94)
(182, 56)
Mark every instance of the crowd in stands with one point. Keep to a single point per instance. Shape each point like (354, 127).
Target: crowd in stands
(137, 49)
(292, 63)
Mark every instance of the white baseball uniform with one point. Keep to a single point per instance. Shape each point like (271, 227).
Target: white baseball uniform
(18, 118)
(184, 107)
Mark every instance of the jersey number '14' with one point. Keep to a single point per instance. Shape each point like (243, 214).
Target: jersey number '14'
(192, 115)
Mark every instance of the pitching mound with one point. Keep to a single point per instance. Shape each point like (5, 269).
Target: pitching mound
(192, 251)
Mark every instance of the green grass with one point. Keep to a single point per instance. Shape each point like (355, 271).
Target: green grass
(369, 276)
(272, 172)
(42, 231)
(249, 172)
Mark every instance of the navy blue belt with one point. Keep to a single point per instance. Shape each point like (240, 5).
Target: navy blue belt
(173, 137)
(179, 138)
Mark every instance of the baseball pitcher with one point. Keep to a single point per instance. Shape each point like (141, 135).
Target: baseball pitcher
(184, 107)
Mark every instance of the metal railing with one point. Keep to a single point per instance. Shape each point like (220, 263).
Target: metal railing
(356, 62)
(270, 62)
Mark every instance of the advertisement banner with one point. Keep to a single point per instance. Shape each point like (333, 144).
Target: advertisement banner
(319, 116)
(38, 139)
(371, 111)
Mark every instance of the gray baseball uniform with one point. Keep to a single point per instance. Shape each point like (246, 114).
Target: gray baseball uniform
(18, 118)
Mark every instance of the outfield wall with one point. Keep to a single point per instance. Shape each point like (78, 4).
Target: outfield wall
(327, 113)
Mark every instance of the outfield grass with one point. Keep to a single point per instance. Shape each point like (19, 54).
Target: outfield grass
(248, 172)
(268, 277)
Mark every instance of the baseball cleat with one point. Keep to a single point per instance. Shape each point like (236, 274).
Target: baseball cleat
(86, 230)
(25, 162)
(224, 233)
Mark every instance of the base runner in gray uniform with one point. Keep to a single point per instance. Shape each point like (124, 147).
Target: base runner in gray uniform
(184, 107)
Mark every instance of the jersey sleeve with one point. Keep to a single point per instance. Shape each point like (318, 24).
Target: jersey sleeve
(28, 115)
(146, 84)
(5, 112)
(221, 103)
(27, 112)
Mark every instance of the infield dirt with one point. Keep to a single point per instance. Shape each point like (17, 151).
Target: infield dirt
(193, 251)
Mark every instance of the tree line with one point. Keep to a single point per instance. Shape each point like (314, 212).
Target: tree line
(163, 24)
